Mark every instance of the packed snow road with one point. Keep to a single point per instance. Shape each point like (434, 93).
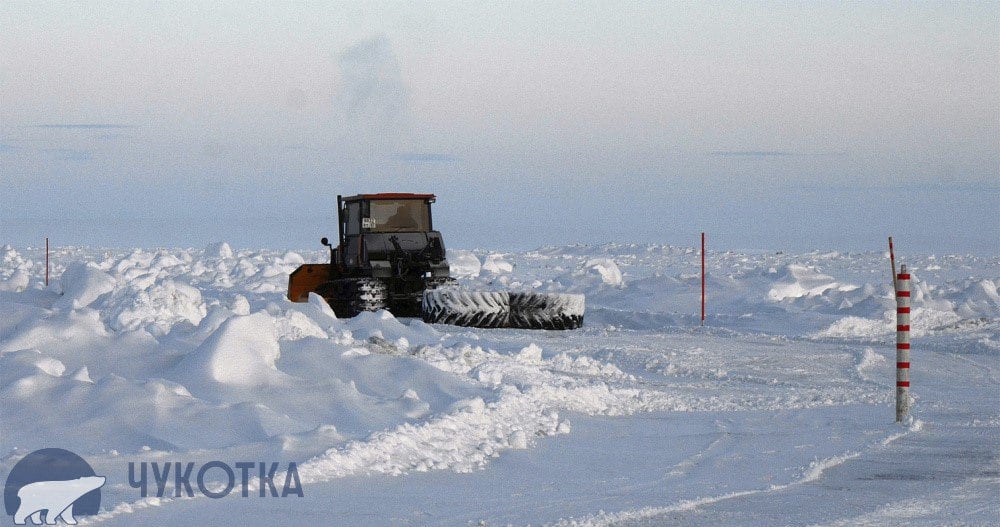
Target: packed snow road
(778, 411)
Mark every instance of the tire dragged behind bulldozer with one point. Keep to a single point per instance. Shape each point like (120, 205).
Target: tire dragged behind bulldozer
(502, 309)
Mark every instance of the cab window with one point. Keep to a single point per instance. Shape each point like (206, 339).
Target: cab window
(401, 215)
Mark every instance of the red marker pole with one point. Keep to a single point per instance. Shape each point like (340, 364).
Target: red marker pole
(46, 261)
(902, 344)
(892, 259)
(703, 279)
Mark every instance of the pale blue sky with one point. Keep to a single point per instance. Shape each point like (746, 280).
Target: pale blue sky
(771, 125)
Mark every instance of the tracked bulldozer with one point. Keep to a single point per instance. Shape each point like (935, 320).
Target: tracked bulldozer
(389, 256)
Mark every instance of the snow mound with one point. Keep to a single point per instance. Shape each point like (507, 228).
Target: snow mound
(27, 363)
(15, 271)
(321, 307)
(17, 282)
(801, 281)
(82, 284)
(218, 250)
(608, 269)
(10, 255)
(868, 360)
(531, 354)
(295, 325)
(496, 264)
(978, 298)
(240, 305)
(242, 352)
(856, 327)
(464, 264)
(156, 309)
(292, 259)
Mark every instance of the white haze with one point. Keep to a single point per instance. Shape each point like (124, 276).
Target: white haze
(770, 126)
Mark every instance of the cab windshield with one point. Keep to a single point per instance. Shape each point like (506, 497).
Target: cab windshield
(400, 215)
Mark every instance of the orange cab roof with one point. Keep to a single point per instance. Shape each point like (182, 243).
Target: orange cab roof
(390, 195)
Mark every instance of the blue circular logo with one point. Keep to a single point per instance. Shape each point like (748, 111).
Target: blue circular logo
(49, 485)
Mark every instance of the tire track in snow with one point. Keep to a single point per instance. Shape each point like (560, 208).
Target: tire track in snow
(812, 472)
(684, 467)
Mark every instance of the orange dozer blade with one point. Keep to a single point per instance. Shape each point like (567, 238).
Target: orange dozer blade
(306, 279)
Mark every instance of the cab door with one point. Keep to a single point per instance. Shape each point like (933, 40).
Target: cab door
(354, 212)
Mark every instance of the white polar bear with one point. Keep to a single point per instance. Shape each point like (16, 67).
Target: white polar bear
(54, 497)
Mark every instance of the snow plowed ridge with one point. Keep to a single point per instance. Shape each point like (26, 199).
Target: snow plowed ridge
(468, 439)
(462, 441)
(149, 355)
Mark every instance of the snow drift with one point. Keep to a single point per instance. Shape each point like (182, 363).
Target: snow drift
(146, 354)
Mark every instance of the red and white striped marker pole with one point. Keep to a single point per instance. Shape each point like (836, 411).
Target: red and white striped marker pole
(902, 343)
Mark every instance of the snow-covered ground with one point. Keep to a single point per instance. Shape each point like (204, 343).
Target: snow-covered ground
(778, 411)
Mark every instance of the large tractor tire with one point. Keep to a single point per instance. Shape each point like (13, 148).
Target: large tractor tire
(350, 296)
(477, 309)
(365, 294)
(531, 310)
(499, 309)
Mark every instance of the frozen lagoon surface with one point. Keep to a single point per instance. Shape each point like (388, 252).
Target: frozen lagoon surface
(778, 412)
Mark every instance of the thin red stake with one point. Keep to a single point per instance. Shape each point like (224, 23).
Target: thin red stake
(892, 259)
(703, 279)
(46, 261)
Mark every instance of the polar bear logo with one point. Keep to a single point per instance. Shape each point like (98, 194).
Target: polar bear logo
(54, 497)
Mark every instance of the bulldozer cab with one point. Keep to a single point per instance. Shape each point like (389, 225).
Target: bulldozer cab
(373, 227)
(389, 256)
(387, 213)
